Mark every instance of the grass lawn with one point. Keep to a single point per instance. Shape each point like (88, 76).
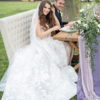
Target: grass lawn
(10, 8)
(7, 9)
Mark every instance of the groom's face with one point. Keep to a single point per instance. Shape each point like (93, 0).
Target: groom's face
(59, 4)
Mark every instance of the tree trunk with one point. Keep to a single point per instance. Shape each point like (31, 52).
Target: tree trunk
(70, 11)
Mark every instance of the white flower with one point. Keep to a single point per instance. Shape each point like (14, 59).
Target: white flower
(61, 13)
(99, 25)
(82, 10)
(88, 6)
(85, 25)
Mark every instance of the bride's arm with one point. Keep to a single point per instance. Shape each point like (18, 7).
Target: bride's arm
(41, 34)
(57, 21)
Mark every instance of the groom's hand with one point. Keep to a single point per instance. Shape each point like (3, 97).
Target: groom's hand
(70, 23)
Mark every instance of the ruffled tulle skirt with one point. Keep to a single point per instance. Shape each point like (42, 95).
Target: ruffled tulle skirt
(40, 71)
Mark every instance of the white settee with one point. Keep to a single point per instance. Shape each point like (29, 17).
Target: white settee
(15, 31)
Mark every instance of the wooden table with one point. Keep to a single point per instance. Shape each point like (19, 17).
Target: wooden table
(72, 38)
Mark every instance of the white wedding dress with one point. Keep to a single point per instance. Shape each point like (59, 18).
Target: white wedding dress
(39, 71)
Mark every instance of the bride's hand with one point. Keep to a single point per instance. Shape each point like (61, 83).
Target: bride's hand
(56, 28)
(53, 10)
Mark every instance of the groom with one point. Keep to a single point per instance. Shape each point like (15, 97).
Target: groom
(58, 6)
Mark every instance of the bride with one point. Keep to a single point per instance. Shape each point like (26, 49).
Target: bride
(40, 71)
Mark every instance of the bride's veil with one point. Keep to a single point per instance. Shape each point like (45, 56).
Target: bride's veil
(33, 37)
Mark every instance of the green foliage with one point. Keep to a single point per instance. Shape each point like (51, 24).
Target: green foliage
(11, 8)
(89, 30)
(97, 1)
(0, 95)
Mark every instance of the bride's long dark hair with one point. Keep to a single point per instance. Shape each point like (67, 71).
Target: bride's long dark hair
(46, 19)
